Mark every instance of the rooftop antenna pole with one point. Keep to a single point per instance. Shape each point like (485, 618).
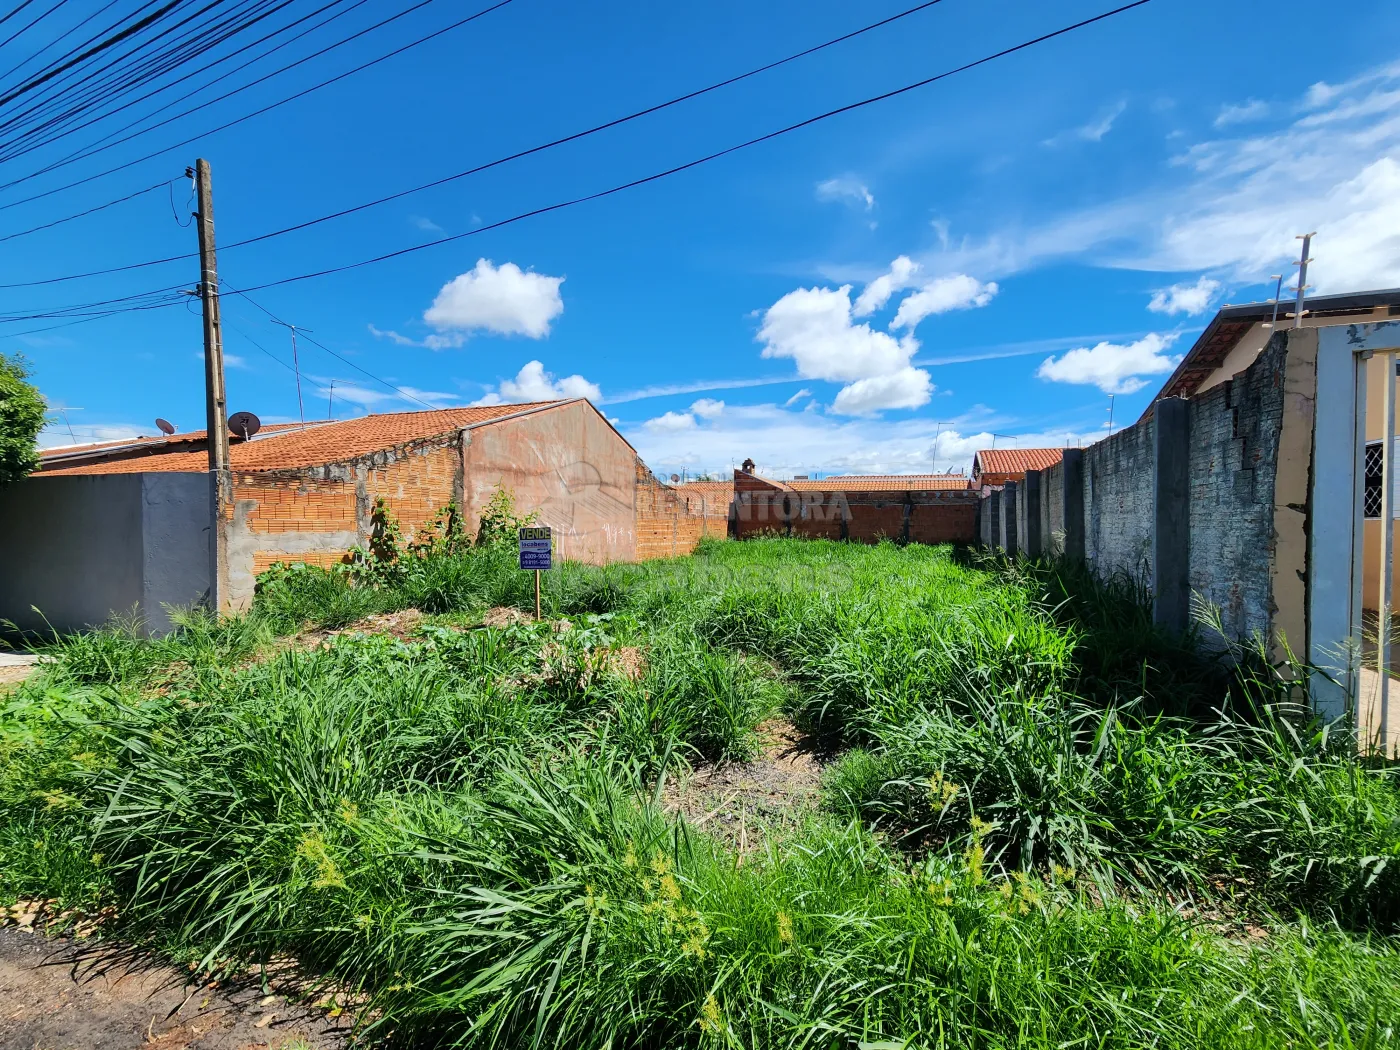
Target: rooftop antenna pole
(1303, 261)
(330, 401)
(1110, 415)
(296, 366)
(215, 395)
(938, 427)
(1278, 291)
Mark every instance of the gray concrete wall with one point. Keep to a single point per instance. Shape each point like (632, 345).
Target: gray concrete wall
(1235, 430)
(1118, 503)
(1052, 510)
(84, 548)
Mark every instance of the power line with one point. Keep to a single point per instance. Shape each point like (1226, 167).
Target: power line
(596, 129)
(238, 120)
(383, 382)
(203, 87)
(850, 107)
(87, 211)
(709, 157)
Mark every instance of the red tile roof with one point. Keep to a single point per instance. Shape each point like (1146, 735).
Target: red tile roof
(881, 483)
(282, 446)
(1015, 460)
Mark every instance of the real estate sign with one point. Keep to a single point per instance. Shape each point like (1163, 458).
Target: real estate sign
(536, 545)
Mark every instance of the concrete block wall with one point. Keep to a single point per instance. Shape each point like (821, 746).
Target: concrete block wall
(1235, 429)
(1052, 510)
(1119, 505)
(1227, 553)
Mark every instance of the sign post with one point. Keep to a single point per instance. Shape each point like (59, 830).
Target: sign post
(536, 549)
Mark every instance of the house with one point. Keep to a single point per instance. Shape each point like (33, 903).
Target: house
(919, 508)
(305, 493)
(997, 466)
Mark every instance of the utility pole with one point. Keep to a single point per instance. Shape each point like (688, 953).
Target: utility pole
(215, 397)
(1303, 261)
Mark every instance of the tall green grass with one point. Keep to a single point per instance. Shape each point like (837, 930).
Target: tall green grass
(466, 825)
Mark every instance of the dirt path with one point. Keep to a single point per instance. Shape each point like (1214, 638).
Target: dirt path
(61, 995)
(745, 803)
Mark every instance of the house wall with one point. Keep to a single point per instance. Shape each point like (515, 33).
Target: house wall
(84, 548)
(565, 464)
(568, 465)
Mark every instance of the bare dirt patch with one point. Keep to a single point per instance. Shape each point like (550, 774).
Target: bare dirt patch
(60, 994)
(15, 668)
(746, 803)
(504, 616)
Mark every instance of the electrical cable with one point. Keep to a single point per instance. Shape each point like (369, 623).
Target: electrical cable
(632, 184)
(596, 129)
(707, 158)
(85, 212)
(128, 72)
(193, 73)
(238, 120)
(316, 342)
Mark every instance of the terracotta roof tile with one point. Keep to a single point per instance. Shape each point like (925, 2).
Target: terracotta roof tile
(1015, 460)
(882, 483)
(290, 446)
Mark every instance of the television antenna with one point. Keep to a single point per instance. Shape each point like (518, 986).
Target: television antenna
(165, 426)
(244, 424)
(296, 364)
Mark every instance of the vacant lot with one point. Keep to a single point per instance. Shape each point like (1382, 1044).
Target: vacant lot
(781, 793)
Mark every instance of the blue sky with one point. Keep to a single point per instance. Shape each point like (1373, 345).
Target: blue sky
(993, 255)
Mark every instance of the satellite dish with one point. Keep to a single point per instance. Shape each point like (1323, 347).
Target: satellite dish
(244, 424)
(166, 427)
(675, 477)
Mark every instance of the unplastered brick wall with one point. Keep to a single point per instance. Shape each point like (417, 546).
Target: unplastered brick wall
(1235, 430)
(671, 524)
(317, 514)
(862, 516)
(1118, 503)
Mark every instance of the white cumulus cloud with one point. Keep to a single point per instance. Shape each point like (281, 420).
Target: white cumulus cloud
(533, 383)
(846, 188)
(707, 408)
(671, 421)
(502, 299)
(1112, 367)
(905, 388)
(956, 291)
(1189, 298)
(813, 326)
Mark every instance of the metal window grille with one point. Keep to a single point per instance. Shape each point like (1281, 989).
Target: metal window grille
(1372, 497)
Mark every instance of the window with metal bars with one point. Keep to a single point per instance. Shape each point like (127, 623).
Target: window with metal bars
(1371, 499)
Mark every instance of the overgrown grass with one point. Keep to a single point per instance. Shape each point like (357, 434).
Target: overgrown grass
(465, 827)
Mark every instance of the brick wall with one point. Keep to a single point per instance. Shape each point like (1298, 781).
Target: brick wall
(863, 516)
(671, 522)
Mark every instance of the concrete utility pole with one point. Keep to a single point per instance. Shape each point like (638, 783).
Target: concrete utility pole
(215, 397)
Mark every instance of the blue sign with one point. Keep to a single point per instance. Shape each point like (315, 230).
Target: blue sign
(536, 547)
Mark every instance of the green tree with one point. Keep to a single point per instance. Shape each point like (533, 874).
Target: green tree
(21, 418)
